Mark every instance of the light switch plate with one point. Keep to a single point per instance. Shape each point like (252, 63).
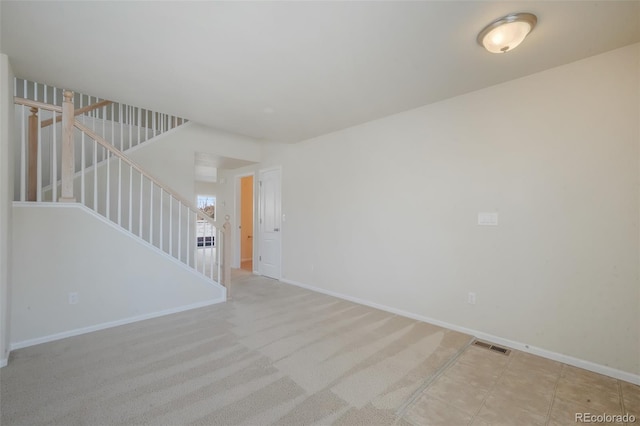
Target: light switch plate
(488, 218)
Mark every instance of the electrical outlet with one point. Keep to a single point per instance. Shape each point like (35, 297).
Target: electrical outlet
(73, 298)
(471, 298)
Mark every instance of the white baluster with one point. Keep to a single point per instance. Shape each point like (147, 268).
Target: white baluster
(214, 246)
(179, 230)
(119, 190)
(151, 212)
(161, 200)
(39, 157)
(146, 125)
(219, 254)
(171, 224)
(108, 197)
(111, 107)
(197, 251)
(55, 148)
(23, 153)
(139, 121)
(82, 168)
(121, 126)
(130, 198)
(188, 236)
(140, 221)
(54, 157)
(95, 175)
(204, 250)
(129, 116)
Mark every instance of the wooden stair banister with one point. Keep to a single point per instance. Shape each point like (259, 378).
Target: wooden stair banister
(32, 156)
(42, 186)
(77, 112)
(225, 278)
(68, 147)
(115, 151)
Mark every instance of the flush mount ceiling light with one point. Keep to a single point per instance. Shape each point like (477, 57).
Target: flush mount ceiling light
(506, 33)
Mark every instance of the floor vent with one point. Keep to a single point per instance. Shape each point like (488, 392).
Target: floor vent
(491, 347)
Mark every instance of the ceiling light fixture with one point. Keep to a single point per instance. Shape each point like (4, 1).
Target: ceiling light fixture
(505, 34)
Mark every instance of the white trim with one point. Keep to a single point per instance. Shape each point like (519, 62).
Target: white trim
(110, 324)
(124, 232)
(555, 356)
(3, 362)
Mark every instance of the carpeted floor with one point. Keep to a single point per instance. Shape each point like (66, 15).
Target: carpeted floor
(275, 354)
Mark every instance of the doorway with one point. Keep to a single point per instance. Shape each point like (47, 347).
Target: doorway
(246, 223)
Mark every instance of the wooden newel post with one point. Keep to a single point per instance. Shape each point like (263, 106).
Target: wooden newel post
(32, 189)
(68, 156)
(226, 255)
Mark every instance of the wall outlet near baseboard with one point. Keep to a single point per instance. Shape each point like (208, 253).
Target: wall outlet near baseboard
(73, 298)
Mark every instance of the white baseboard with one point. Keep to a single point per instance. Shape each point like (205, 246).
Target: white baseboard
(3, 362)
(110, 324)
(555, 356)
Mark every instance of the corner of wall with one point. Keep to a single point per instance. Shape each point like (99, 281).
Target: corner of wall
(6, 197)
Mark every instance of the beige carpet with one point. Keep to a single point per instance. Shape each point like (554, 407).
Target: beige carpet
(276, 354)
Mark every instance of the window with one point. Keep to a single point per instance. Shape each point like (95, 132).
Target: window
(207, 204)
(205, 230)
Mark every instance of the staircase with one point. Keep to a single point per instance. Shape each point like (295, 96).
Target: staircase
(72, 148)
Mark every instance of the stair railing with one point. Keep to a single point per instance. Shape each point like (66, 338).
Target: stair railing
(125, 126)
(118, 189)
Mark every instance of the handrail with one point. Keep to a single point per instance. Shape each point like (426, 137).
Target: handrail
(78, 111)
(52, 159)
(36, 104)
(100, 140)
(115, 151)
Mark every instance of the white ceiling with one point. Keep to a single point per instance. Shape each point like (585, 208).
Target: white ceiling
(288, 71)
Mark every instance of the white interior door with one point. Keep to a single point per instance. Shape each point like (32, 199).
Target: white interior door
(269, 223)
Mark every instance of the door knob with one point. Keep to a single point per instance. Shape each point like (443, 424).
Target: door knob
(276, 229)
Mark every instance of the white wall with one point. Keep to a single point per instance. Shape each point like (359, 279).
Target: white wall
(207, 188)
(118, 278)
(386, 211)
(6, 196)
(172, 158)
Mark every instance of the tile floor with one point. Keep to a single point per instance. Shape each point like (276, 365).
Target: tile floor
(483, 388)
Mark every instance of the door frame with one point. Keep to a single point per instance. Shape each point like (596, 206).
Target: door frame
(256, 245)
(237, 221)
